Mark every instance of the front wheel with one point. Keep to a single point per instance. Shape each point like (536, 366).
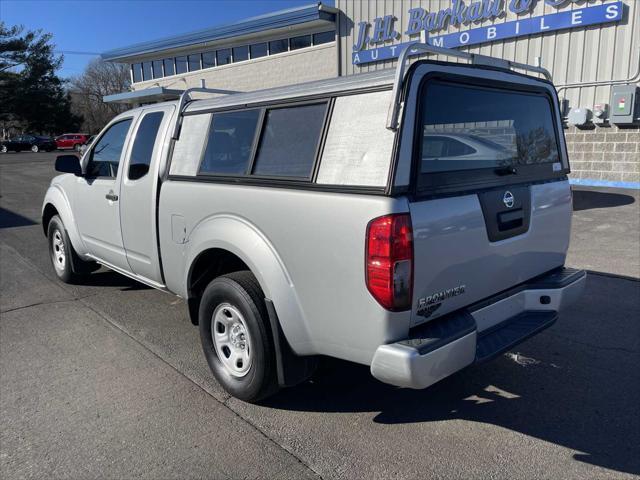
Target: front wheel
(236, 337)
(35, 149)
(63, 256)
(3, 149)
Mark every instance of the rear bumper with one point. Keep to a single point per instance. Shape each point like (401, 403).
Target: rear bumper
(478, 333)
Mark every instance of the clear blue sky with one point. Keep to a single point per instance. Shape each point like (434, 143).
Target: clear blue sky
(100, 25)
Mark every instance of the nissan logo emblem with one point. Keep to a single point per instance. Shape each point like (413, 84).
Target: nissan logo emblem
(508, 199)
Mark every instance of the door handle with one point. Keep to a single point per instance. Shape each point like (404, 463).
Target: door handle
(510, 220)
(111, 196)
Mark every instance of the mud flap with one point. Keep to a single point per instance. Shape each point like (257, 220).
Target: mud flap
(291, 368)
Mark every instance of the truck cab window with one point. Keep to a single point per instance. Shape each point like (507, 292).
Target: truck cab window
(230, 143)
(106, 153)
(142, 150)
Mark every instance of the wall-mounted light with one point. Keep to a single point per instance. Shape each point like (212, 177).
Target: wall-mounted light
(579, 117)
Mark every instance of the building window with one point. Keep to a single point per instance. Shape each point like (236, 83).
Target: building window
(146, 71)
(289, 141)
(303, 41)
(181, 64)
(230, 143)
(208, 59)
(137, 72)
(169, 67)
(157, 69)
(240, 53)
(259, 50)
(194, 62)
(223, 56)
(324, 37)
(278, 46)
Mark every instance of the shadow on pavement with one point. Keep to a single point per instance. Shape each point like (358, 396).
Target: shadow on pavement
(9, 219)
(569, 386)
(589, 199)
(109, 278)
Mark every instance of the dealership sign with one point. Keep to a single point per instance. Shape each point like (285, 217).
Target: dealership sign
(460, 13)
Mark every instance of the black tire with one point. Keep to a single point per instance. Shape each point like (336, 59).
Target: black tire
(240, 292)
(72, 269)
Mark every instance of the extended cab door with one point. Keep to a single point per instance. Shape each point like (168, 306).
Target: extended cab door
(139, 192)
(97, 195)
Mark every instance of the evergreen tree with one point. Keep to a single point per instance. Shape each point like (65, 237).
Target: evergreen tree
(31, 93)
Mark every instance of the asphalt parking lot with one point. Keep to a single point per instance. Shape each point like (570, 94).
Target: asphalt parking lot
(107, 380)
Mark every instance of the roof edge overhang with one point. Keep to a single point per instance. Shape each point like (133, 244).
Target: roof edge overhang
(271, 21)
(152, 94)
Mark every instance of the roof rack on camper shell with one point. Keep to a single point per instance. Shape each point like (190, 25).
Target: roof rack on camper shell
(418, 48)
(373, 79)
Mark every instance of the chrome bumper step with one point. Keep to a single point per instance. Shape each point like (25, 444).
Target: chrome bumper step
(478, 333)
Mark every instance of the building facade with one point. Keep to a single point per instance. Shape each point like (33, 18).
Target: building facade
(286, 47)
(590, 47)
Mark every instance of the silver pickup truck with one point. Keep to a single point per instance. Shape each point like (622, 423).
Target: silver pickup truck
(414, 220)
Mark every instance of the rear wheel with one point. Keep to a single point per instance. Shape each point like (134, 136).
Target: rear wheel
(3, 149)
(35, 149)
(236, 337)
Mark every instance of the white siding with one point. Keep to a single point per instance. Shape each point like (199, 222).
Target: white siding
(575, 57)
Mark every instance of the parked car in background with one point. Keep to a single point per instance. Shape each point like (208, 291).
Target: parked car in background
(71, 140)
(86, 144)
(444, 151)
(35, 143)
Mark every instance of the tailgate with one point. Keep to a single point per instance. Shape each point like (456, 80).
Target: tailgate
(492, 205)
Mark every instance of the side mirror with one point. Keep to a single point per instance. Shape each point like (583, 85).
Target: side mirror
(138, 170)
(69, 164)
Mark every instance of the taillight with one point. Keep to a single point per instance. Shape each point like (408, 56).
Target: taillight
(389, 260)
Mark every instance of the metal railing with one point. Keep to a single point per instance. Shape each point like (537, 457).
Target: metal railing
(185, 97)
(396, 105)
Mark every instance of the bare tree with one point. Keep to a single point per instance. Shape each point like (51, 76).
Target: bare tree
(100, 78)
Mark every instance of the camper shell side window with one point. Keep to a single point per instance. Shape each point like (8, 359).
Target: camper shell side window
(272, 142)
(337, 143)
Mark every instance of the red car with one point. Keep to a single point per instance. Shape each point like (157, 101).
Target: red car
(71, 140)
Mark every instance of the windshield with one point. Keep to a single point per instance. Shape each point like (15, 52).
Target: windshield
(468, 127)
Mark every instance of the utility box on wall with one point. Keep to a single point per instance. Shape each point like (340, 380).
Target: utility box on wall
(624, 106)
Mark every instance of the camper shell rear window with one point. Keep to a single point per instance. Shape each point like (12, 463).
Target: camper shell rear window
(471, 135)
